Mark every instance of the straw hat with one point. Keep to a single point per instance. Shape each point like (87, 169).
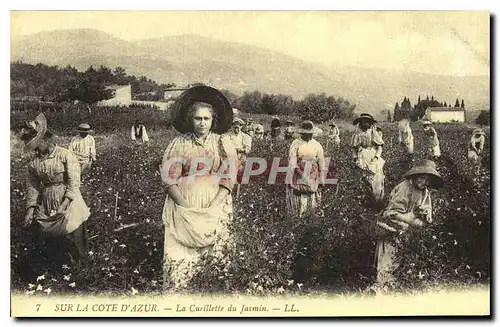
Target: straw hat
(307, 127)
(364, 116)
(33, 131)
(427, 167)
(289, 122)
(426, 123)
(84, 128)
(238, 121)
(259, 128)
(202, 93)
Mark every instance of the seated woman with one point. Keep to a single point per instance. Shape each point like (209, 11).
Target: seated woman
(55, 207)
(199, 171)
(409, 205)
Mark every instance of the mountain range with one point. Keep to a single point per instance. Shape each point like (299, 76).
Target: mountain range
(240, 67)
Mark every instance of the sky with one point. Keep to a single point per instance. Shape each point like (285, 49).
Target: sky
(437, 42)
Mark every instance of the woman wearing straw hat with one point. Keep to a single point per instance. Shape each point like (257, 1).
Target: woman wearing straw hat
(409, 206)
(476, 144)
(366, 144)
(83, 146)
(306, 159)
(55, 207)
(199, 170)
(433, 149)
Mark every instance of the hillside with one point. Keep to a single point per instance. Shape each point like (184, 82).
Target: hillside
(239, 67)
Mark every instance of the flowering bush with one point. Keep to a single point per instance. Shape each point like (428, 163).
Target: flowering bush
(272, 253)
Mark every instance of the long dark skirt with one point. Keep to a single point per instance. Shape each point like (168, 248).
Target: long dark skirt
(71, 248)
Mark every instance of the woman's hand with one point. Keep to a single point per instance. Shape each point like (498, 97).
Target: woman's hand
(28, 218)
(417, 222)
(63, 206)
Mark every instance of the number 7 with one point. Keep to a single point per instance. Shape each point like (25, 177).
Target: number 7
(37, 307)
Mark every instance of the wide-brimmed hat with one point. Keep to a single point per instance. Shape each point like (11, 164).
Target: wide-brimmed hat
(307, 127)
(237, 120)
(33, 131)
(427, 167)
(207, 94)
(259, 128)
(364, 116)
(289, 122)
(426, 122)
(84, 128)
(478, 131)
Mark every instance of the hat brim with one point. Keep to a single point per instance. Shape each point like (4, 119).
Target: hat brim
(33, 143)
(84, 130)
(436, 181)
(314, 130)
(359, 119)
(220, 104)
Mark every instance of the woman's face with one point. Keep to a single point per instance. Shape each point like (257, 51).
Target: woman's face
(236, 128)
(421, 182)
(364, 124)
(202, 121)
(306, 137)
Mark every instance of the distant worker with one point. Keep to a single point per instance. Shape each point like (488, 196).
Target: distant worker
(138, 133)
(476, 144)
(289, 130)
(405, 135)
(333, 135)
(243, 144)
(83, 146)
(366, 145)
(259, 132)
(433, 149)
(249, 127)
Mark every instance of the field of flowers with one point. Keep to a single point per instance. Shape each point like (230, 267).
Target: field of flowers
(272, 253)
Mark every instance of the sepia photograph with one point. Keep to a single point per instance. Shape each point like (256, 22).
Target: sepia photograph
(250, 163)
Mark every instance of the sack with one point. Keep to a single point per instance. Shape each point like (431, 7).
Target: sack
(196, 227)
(51, 226)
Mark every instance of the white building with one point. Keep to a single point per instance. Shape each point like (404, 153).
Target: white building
(122, 96)
(445, 114)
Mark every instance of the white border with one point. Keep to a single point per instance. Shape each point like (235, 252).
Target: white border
(186, 5)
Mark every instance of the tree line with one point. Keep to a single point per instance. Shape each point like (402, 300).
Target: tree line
(57, 84)
(316, 107)
(405, 110)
